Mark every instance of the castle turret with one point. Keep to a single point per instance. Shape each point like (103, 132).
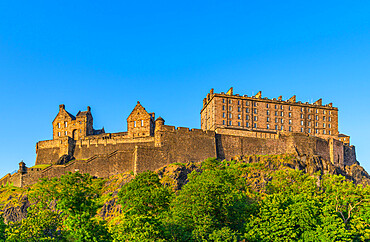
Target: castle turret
(22, 167)
(159, 122)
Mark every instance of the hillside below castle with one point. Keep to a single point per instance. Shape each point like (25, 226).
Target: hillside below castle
(233, 127)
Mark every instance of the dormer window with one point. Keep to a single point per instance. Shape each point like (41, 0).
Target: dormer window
(135, 124)
(65, 124)
(142, 123)
(58, 133)
(59, 126)
(66, 133)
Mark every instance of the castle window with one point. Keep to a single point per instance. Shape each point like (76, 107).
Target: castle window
(230, 101)
(275, 106)
(223, 107)
(276, 120)
(323, 125)
(317, 124)
(230, 115)
(317, 117)
(301, 129)
(65, 124)
(329, 131)
(329, 125)
(247, 124)
(324, 112)
(329, 119)
(255, 110)
(302, 122)
(238, 123)
(268, 119)
(290, 108)
(239, 116)
(276, 127)
(281, 107)
(142, 123)
(58, 133)
(268, 112)
(329, 112)
(290, 115)
(323, 118)
(255, 118)
(309, 130)
(247, 117)
(282, 120)
(223, 122)
(281, 114)
(276, 113)
(66, 133)
(324, 131)
(223, 100)
(246, 103)
(239, 109)
(309, 110)
(301, 109)
(301, 115)
(255, 104)
(223, 115)
(229, 122)
(309, 123)
(316, 131)
(247, 110)
(238, 102)
(268, 126)
(309, 116)
(134, 123)
(267, 105)
(58, 125)
(255, 125)
(290, 121)
(80, 130)
(282, 127)
(230, 108)
(290, 128)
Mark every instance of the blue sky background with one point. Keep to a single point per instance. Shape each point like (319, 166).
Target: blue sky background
(168, 55)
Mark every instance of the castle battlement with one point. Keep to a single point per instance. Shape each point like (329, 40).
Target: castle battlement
(232, 125)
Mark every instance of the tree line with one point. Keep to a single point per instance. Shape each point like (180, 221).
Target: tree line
(218, 203)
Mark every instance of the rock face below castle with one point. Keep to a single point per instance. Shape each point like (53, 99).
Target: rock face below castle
(149, 144)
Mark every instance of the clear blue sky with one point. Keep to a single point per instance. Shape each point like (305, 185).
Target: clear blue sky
(168, 55)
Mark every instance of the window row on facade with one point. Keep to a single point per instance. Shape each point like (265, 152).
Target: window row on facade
(277, 127)
(281, 107)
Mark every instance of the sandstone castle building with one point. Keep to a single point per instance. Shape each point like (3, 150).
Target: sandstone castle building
(231, 125)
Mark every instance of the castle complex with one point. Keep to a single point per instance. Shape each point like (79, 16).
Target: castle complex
(231, 125)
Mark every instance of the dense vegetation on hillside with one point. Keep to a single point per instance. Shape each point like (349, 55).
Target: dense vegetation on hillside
(221, 201)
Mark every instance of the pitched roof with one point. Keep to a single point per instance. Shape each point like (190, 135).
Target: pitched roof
(84, 113)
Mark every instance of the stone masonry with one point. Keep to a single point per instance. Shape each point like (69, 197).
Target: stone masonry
(149, 144)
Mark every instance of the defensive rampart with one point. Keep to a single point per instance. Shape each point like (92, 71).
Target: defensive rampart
(109, 154)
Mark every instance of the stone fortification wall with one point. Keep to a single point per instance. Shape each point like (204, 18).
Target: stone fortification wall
(104, 156)
(85, 149)
(231, 144)
(175, 145)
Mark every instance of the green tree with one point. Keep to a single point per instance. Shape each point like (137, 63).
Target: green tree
(2, 229)
(144, 202)
(77, 196)
(212, 206)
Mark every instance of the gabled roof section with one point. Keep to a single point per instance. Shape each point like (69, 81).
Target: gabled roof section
(139, 112)
(64, 112)
(84, 113)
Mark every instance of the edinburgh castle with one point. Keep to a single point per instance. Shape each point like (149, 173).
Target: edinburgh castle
(232, 125)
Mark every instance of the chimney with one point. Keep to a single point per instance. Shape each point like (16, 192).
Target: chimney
(88, 108)
(62, 107)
